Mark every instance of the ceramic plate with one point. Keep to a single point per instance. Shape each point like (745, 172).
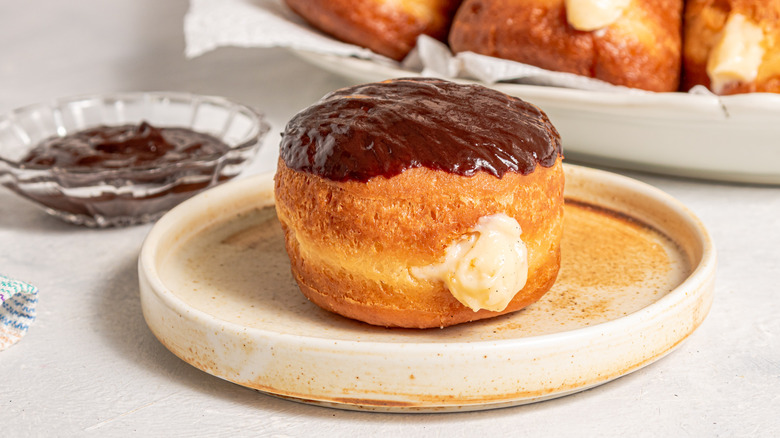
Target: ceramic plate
(730, 138)
(636, 280)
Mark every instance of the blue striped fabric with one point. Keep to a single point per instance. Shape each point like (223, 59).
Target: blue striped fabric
(17, 311)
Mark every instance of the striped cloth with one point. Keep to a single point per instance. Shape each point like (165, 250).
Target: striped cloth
(17, 312)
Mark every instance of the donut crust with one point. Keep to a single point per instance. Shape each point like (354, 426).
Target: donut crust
(351, 244)
(641, 49)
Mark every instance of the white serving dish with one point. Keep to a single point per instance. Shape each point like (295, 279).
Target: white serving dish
(729, 138)
(231, 308)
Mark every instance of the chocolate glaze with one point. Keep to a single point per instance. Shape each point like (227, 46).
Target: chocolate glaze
(126, 146)
(382, 129)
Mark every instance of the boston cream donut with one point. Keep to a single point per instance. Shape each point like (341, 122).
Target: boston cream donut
(634, 43)
(389, 28)
(421, 202)
(732, 46)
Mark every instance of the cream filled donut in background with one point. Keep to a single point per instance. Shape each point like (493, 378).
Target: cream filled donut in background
(634, 43)
(404, 207)
(732, 46)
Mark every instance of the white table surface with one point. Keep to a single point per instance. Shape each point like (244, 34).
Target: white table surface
(89, 366)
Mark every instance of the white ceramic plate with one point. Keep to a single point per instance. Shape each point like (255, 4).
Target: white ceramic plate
(730, 138)
(636, 280)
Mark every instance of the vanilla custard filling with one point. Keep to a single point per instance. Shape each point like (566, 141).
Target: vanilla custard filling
(737, 55)
(486, 267)
(587, 15)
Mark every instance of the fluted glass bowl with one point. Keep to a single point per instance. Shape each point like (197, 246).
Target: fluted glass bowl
(131, 195)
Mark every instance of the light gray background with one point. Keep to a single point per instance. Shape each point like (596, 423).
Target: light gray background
(90, 367)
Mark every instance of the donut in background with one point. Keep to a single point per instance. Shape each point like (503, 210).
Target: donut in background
(389, 28)
(634, 43)
(732, 46)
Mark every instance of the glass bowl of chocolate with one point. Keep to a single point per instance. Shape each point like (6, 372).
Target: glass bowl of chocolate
(124, 158)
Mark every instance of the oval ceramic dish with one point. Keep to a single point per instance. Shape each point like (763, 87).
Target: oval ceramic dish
(636, 280)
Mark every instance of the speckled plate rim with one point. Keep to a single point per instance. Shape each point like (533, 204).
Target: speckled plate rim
(555, 364)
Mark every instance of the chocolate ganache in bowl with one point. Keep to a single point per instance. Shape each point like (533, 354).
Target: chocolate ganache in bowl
(124, 158)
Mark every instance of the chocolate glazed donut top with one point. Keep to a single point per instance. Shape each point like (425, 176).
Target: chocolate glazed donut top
(382, 129)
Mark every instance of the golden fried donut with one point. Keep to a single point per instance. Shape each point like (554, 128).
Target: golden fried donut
(635, 43)
(732, 46)
(403, 207)
(389, 28)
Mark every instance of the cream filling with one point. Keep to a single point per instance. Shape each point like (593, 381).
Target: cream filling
(737, 55)
(588, 15)
(486, 267)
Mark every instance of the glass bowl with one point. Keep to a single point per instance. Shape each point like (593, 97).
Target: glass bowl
(132, 195)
